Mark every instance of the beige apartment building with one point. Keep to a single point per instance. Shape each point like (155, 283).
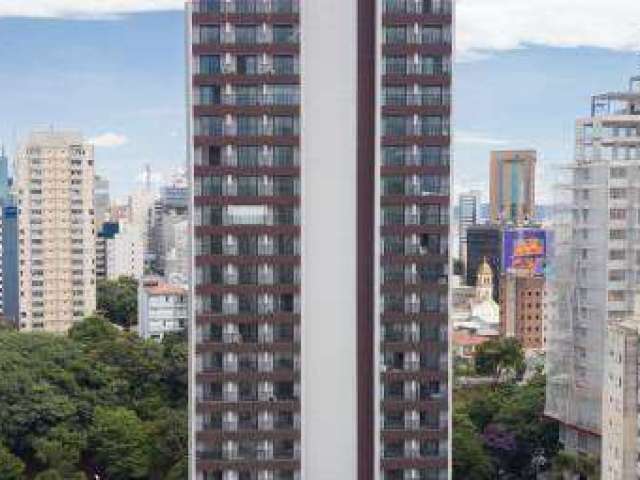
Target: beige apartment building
(55, 184)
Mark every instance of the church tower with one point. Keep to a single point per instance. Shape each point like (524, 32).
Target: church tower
(484, 281)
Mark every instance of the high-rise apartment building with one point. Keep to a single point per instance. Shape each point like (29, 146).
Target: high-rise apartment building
(10, 263)
(320, 180)
(55, 179)
(468, 215)
(124, 252)
(596, 264)
(512, 186)
(102, 200)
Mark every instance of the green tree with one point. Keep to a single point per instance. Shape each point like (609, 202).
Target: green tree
(120, 444)
(569, 465)
(49, 475)
(117, 300)
(61, 449)
(502, 359)
(92, 330)
(171, 439)
(470, 460)
(11, 467)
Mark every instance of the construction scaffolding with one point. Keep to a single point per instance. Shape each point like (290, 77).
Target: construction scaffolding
(595, 261)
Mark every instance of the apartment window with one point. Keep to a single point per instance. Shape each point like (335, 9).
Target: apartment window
(210, 34)
(248, 156)
(249, 126)
(285, 186)
(616, 296)
(284, 34)
(209, 156)
(211, 6)
(434, 65)
(247, 64)
(396, 126)
(283, 156)
(434, 34)
(395, 65)
(393, 215)
(247, 95)
(617, 234)
(246, 6)
(434, 185)
(248, 186)
(285, 126)
(395, 34)
(617, 193)
(208, 186)
(617, 254)
(209, 95)
(284, 94)
(433, 156)
(617, 214)
(246, 34)
(395, 156)
(284, 65)
(210, 65)
(617, 275)
(209, 125)
(618, 172)
(393, 185)
(395, 95)
(434, 126)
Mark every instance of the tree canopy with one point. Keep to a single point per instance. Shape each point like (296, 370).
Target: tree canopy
(118, 300)
(97, 401)
(502, 359)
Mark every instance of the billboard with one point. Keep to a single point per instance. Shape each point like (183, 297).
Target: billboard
(525, 249)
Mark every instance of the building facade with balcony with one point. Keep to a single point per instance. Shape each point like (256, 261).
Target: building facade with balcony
(319, 173)
(55, 186)
(162, 308)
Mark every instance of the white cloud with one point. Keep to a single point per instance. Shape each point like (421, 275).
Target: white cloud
(476, 138)
(498, 25)
(83, 8)
(108, 140)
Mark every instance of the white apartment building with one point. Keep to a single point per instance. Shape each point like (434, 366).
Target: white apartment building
(620, 404)
(596, 266)
(162, 309)
(125, 252)
(55, 181)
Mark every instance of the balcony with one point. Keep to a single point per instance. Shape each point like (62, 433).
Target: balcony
(424, 7)
(411, 68)
(415, 99)
(248, 100)
(246, 6)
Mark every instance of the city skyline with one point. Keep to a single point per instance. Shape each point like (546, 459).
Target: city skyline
(131, 128)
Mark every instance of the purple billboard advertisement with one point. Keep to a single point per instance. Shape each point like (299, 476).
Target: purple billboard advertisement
(525, 249)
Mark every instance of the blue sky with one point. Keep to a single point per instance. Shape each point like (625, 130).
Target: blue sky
(523, 78)
(121, 81)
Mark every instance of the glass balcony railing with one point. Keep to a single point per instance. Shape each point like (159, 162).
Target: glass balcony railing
(246, 6)
(426, 7)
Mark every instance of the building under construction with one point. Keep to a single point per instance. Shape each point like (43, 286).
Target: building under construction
(596, 265)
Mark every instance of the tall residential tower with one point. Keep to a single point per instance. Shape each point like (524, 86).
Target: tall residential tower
(55, 175)
(320, 206)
